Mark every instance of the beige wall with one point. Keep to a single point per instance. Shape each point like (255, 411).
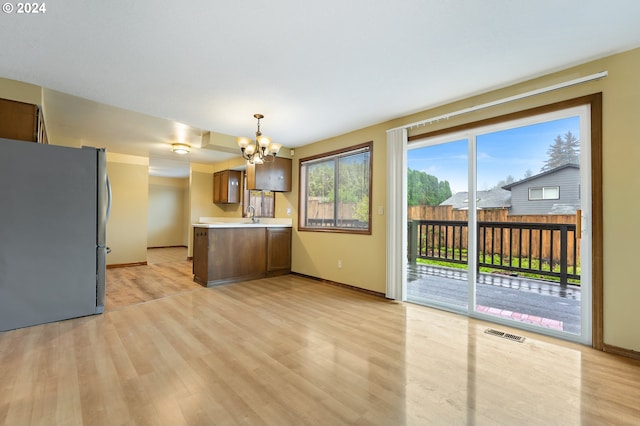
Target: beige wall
(21, 92)
(200, 197)
(621, 155)
(166, 214)
(127, 225)
(363, 257)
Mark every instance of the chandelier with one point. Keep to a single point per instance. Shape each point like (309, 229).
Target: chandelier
(261, 150)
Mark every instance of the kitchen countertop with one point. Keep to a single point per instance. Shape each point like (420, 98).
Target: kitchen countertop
(225, 222)
(241, 225)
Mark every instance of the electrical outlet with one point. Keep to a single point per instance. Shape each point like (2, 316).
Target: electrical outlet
(340, 264)
(289, 211)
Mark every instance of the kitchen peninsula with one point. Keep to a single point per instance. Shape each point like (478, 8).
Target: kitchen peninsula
(227, 250)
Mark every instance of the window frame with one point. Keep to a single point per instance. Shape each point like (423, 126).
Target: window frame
(543, 188)
(302, 190)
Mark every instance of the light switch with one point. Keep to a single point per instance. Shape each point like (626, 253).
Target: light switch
(380, 210)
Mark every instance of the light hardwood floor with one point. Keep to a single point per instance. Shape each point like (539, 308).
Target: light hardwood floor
(168, 272)
(293, 351)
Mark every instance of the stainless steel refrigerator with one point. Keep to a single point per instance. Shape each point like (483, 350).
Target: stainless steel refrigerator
(54, 204)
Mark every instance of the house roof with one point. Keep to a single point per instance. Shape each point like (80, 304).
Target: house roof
(548, 172)
(491, 199)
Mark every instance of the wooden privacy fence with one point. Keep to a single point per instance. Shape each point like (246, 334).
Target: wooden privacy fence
(317, 209)
(534, 242)
(540, 244)
(493, 215)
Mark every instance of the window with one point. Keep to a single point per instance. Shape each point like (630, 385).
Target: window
(544, 193)
(335, 191)
(263, 202)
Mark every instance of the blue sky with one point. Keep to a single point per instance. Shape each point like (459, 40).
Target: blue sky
(500, 154)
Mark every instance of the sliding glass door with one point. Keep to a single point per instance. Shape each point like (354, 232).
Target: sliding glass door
(437, 179)
(506, 243)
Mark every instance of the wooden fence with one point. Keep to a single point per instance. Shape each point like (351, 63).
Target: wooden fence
(523, 244)
(317, 209)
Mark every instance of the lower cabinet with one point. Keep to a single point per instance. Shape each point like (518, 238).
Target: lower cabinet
(278, 251)
(225, 255)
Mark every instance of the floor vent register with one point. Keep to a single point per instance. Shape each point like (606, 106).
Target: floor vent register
(504, 335)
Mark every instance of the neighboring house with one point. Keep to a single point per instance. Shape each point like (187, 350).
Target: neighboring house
(556, 191)
(492, 199)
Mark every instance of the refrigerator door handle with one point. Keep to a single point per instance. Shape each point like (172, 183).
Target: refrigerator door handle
(104, 207)
(108, 198)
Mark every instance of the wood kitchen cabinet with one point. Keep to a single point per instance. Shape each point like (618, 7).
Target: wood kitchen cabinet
(226, 187)
(225, 255)
(274, 176)
(18, 120)
(278, 251)
(200, 252)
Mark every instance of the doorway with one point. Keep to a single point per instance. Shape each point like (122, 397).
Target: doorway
(498, 222)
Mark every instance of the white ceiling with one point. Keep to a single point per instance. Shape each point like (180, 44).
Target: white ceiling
(314, 69)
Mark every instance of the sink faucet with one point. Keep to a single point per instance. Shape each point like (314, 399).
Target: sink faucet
(251, 212)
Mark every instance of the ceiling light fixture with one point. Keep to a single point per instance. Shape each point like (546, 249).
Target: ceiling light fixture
(180, 148)
(261, 150)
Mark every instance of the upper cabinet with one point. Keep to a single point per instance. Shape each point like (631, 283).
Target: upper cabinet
(21, 121)
(226, 187)
(274, 176)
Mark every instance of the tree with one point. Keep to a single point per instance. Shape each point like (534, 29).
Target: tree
(361, 212)
(352, 174)
(426, 190)
(507, 181)
(510, 179)
(353, 179)
(562, 151)
(572, 144)
(321, 182)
